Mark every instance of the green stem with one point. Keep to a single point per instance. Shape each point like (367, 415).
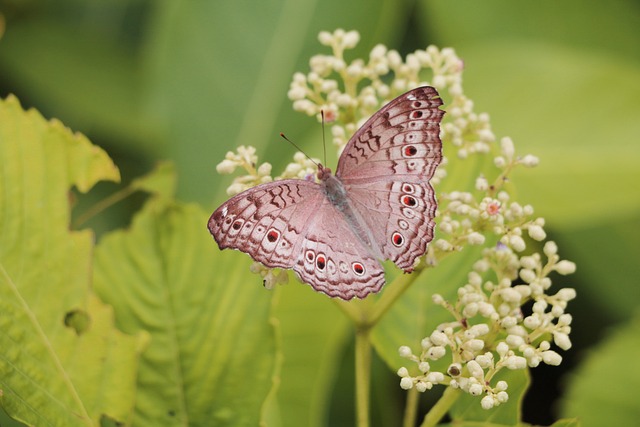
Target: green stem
(411, 408)
(442, 406)
(363, 375)
(391, 294)
(102, 205)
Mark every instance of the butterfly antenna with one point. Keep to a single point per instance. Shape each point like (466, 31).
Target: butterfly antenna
(298, 148)
(324, 144)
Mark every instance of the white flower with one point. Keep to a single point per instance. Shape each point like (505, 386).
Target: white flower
(565, 267)
(406, 383)
(405, 351)
(487, 402)
(536, 232)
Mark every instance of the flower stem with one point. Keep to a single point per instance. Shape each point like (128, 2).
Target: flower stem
(442, 406)
(363, 375)
(411, 408)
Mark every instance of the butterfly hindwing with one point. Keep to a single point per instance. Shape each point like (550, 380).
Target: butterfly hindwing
(402, 214)
(334, 260)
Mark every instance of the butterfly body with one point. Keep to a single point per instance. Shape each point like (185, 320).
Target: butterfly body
(379, 205)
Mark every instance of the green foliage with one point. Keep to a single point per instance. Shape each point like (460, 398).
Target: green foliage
(212, 353)
(594, 386)
(191, 80)
(50, 372)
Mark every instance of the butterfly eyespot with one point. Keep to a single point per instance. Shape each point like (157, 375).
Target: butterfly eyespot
(411, 165)
(417, 114)
(310, 256)
(273, 235)
(357, 268)
(403, 224)
(416, 104)
(408, 213)
(343, 267)
(410, 151)
(408, 201)
(321, 262)
(408, 188)
(228, 220)
(237, 225)
(397, 239)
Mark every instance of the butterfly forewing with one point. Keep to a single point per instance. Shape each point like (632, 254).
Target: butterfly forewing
(268, 221)
(403, 138)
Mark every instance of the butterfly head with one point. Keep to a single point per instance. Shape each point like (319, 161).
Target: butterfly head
(323, 173)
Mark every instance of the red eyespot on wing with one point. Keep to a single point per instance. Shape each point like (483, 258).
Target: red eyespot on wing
(310, 255)
(410, 151)
(416, 104)
(357, 268)
(321, 262)
(237, 225)
(407, 188)
(417, 114)
(397, 239)
(273, 235)
(408, 201)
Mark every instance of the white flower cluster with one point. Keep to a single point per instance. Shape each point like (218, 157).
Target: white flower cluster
(245, 158)
(471, 217)
(301, 168)
(350, 92)
(490, 322)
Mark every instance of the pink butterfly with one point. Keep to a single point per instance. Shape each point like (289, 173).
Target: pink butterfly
(379, 205)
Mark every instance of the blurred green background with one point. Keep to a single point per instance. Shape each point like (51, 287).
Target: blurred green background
(191, 80)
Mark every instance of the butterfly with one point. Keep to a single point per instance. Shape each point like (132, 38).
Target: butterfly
(379, 205)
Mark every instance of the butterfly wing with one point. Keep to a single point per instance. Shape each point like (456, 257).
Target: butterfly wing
(385, 169)
(267, 222)
(334, 260)
(291, 224)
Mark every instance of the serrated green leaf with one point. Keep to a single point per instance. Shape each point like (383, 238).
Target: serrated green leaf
(603, 391)
(212, 355)
(53, 374)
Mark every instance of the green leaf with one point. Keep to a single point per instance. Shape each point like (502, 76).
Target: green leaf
(161, 181)
(314, 332)
(62, 362)
(571, 422)
(219, 74)
(213, 350)
(603, 391)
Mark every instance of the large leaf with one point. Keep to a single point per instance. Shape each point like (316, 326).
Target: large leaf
(219, 73)
(314, 332)
(62, 362)
(604, 390)
(212, 355)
